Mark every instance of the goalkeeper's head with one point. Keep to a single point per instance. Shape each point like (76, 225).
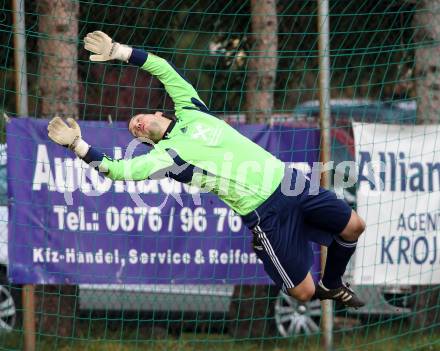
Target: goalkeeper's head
(152, 126)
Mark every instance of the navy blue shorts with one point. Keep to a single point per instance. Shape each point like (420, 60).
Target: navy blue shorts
(283, 227)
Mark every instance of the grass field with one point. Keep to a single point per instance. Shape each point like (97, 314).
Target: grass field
(374, 338)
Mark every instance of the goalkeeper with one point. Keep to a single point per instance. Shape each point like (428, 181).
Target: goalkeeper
(197, 148)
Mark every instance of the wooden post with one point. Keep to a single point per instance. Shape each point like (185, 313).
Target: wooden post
(22, 110)
(324, 124)
(29, 317)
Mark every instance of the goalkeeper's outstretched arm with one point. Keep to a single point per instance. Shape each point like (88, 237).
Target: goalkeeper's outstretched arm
(137, 168)
(180, 90)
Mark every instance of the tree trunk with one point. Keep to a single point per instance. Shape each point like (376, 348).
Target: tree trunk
(251, 305)
(58, 84)
(263, 60)
(56, 305)
(426, 22)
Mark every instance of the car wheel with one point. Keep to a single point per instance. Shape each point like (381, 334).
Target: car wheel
(10, 300)
(294, 318)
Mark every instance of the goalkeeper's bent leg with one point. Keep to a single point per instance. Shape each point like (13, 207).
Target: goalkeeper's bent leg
(340, 251)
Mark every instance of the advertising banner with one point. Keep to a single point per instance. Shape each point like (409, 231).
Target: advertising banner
(70, 225)
(399, 198)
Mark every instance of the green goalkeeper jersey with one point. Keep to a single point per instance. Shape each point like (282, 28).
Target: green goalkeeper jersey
(200, 149)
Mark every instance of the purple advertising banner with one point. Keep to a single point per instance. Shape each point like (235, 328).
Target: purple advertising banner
(70, 225)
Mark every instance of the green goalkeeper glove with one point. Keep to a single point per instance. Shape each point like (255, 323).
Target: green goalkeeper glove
(67, 135)
(105, 48)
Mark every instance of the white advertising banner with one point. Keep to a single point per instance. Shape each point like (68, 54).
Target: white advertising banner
(399, 198)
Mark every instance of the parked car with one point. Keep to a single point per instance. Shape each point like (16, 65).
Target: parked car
(293, 317)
